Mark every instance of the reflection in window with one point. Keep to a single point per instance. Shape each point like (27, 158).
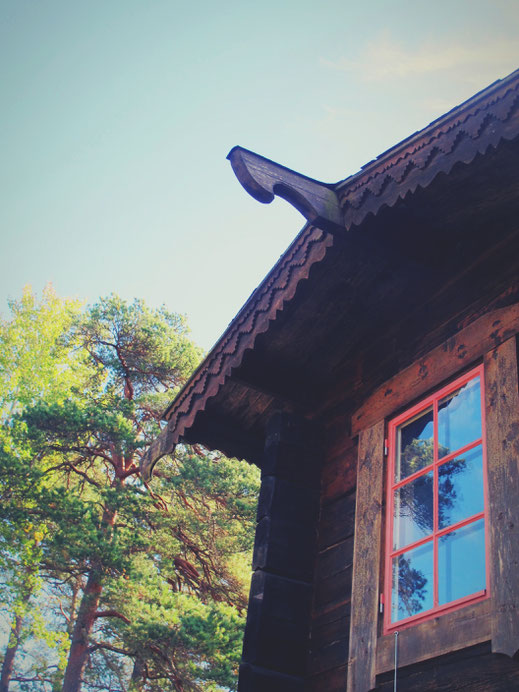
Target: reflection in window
(413, 511)
(412, 582)
(460, 488)
(459, 417)
(415, 445)
(436, 508)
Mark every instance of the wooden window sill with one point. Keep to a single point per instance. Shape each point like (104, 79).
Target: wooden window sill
(439, 635)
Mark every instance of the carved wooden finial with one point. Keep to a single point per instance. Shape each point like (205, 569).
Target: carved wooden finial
(264, 179)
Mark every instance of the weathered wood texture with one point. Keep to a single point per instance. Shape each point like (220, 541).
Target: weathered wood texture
(264, 179)
(333, 588)
(287, 518)
(366, 561)
(450, 632)
(293, 451)
(502, 420)
(285, 547)
(443, 362)
(340, 470)
(329, 639)
(333, 680)
(405, 328)
(334, 568)
(470, 670)
(337, 521)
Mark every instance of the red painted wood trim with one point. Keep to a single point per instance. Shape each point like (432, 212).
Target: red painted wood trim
(390, 553)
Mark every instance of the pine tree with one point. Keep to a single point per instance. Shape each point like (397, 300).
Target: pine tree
(159, 570)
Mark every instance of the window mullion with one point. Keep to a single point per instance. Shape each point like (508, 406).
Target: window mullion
(414, 576)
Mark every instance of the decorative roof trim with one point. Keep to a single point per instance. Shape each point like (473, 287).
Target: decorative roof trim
(457, 137)
(264, 179)
(277, 289)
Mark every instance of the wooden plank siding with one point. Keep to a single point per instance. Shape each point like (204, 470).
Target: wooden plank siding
(436, 637)
(329, 638)
(443, 362)
(336, 607)
(414, 281)
(330, 629)
(473, 669)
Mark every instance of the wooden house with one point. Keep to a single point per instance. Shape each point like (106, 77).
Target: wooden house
(373, 377)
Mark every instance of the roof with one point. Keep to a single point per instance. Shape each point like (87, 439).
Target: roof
(466, 135)
(458, 136)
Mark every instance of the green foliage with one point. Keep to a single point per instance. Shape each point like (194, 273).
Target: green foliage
(35, 362)
(176, 634)
(171, 558)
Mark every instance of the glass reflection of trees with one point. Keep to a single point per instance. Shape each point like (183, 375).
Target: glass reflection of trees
(459, 490)
(416, 497)
(412, 585)
(416, 503)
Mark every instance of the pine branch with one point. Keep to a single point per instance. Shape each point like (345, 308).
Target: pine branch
(111, 614)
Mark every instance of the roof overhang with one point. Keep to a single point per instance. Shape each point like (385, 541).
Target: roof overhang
(377, 247)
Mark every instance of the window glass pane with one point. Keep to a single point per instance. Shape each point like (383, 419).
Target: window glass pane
(414, 445)
(413, 511)
(412, 584)
(461, 562)
(460, 492)
(459, 418)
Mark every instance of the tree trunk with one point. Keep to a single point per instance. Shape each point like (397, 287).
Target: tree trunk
(137, 678)
(72, 618)
(86, 616)
(78, 654)
(10, 653)
(57, 685)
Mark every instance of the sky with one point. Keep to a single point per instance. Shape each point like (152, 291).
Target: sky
(116, 117)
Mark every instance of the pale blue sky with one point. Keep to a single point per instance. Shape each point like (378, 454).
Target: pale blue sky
(117, 115)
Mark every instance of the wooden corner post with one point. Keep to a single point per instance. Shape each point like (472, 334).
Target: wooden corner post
(275, 646)
(502, 417)
(366, 560)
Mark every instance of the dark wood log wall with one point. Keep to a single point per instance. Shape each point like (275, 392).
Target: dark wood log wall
(329, 640)
(474, 669)
(429, 662)
(276, 635)
(461, 334)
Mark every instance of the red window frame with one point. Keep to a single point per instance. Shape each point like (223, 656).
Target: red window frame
(432, 401)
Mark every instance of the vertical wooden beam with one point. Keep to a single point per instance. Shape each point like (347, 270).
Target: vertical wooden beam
(276, 641)
(502, 422)
(366, 560)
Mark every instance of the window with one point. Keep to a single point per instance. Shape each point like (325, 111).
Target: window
(436, 505)
(423, 635)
